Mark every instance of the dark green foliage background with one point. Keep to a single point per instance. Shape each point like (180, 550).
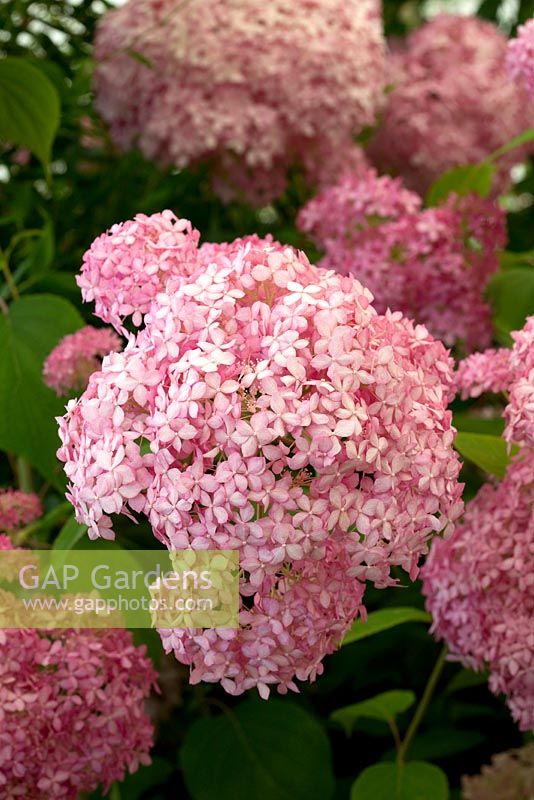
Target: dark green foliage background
(207, 736)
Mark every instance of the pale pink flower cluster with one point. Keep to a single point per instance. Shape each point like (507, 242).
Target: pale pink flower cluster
(71, 711)
(321, 166)
(520, 57)
(248, 86)
(126, 267)
(488, 371)
(506, 370)
(510, 776)
(479, 587)
(432, 264)
(18, 509)
(267, 407)
(480, 584)
(452, 102)
(68, 367)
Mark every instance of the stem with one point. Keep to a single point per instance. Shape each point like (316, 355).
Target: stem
(395, 733)
(50, 520)
(423, 705)
(24, 473)
(115, 792)
(9, 278)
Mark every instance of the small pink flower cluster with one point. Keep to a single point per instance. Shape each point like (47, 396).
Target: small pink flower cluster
(519, 412)
(267, 407)
(249, 86)
(431, 264)
(479, 587)
(452, 102)
(68, 367)
(488, 371)
(71, 711)
(18, 509)
(506, 370)
(520, 57)
(480, 584)
(126, 267)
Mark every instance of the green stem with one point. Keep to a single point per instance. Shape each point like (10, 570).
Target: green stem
(24, 473)
(422, 707)
(58, 514)
(9, 278)
(115, 792)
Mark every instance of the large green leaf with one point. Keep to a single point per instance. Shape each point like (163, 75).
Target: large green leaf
(464, 421)
(28, 333)
(268, 751)
(29, 107)
(384, 707)
(472, 178)
(382, 620)
(511, 294)
(413, 781)
(490, 453)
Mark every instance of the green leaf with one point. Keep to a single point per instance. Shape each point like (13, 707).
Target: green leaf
(41, 256)
(472, 178)
(511, 294)
(517, 141)
(28, 333)
(415, 780)
(29, 107)
(145, 779)
(382, 620)
(71, 533)
(466, 679)
(490, 453)
(384, 707)
(464, 421)
(63, 283)
(144, 445)
(268, 751)
(438, 743)
(509, 259)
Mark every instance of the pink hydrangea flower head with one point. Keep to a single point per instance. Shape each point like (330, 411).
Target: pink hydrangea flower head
(479, 586)
(452, 101)
(506, 370)
(18, 509)
(247, 86)
(431, 264)
(71, 711)
(519, 413)
(69, 365)
(127, 266)
(266, 407)
(520, 57)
